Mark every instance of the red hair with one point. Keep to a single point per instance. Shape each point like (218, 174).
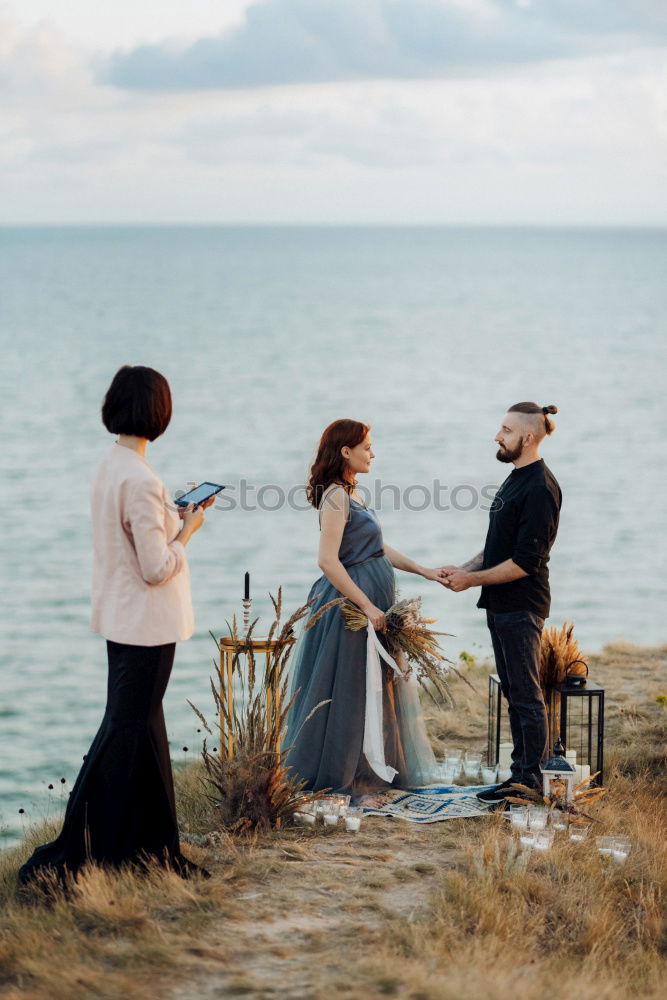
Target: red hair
(329, 464)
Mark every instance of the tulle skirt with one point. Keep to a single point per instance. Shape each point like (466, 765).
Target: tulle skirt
(328, 669)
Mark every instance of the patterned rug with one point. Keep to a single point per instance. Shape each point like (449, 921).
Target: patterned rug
(429, 804)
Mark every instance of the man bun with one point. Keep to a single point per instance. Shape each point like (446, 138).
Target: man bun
(543, 424)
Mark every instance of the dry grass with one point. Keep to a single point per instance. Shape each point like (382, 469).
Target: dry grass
(508, 925)
(247, 779)
(440, 912)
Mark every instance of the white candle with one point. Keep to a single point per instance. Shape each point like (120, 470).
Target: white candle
(305, 819)
(352, 823)
(330, 819)
(505, 755)
(619, 856)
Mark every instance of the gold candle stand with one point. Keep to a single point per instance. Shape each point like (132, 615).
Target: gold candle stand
(228, 648)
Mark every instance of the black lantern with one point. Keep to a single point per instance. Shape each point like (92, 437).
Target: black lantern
(576, 718)
(499, 725)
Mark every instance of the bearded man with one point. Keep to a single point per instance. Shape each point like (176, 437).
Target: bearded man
(514, 576)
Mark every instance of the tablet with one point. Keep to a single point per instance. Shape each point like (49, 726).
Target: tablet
(199, 494)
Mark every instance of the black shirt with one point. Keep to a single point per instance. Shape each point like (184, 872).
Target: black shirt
(522, 526)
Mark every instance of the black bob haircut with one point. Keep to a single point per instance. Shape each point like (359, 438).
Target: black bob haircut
(137, 402)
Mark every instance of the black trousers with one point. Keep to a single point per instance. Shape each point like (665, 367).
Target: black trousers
(516, 638)
(122, 806)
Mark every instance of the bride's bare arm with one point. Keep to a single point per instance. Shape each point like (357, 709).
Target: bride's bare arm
(332, 523)
(399, 561)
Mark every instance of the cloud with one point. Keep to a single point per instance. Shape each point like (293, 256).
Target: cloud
(38, 60)
(315, 41)
(561, 140)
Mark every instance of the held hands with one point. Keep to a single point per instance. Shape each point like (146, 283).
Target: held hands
(432, 574)
(454, 578)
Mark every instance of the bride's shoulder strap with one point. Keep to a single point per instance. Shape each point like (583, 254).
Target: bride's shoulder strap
(333, 495)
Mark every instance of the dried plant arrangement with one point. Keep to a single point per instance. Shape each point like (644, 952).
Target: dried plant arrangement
(584, 796)
(246, 778)
(560, 655)
(407, 632)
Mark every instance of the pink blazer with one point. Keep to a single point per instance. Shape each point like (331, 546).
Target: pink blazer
(141, 581)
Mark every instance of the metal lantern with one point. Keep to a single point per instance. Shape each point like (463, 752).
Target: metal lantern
(556, 773)
(499, 726)
(576, 718)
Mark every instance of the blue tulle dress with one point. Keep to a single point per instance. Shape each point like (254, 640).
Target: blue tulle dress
(329, 664)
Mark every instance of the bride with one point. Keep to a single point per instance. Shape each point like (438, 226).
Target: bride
(329, 661)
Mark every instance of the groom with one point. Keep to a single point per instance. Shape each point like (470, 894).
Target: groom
(513, 574)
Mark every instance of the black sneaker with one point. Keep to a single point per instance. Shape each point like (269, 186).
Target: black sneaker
(497, 793)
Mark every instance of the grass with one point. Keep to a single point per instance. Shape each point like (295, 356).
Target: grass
(441, 912)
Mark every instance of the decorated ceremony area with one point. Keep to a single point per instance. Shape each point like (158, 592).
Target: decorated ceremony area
(424, 893)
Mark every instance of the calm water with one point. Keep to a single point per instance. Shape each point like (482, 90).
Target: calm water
(268, 334)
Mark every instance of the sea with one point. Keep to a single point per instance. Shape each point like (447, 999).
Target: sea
(266, 335)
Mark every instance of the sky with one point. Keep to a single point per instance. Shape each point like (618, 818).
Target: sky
(339, 111)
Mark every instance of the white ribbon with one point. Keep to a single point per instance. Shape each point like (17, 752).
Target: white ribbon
(373, 728)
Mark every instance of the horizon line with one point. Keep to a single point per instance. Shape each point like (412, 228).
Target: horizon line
(323, 224)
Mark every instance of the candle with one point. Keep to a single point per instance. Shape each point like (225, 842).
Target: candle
(330, 819)
(489, 775)
(543, 841)
(304, 819)
(505, 755)
(519, 816)
(537, 818)
(352, 823)
(246, 591)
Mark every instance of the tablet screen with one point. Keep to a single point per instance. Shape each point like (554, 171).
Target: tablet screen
(199, 494)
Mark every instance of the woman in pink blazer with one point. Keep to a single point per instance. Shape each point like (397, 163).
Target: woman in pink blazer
(122, 807)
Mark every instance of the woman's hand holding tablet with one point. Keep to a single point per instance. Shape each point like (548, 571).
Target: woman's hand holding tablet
(199, 495)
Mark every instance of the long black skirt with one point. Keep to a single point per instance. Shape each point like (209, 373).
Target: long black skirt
(122, 808)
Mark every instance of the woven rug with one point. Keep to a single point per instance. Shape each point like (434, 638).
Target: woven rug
(429, 804)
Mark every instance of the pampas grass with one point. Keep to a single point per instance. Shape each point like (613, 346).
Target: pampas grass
(560, 653)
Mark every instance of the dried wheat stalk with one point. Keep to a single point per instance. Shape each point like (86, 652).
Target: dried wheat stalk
(251, 787)
(407, 633)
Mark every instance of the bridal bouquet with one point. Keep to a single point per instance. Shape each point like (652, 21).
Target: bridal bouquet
(407, 632)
